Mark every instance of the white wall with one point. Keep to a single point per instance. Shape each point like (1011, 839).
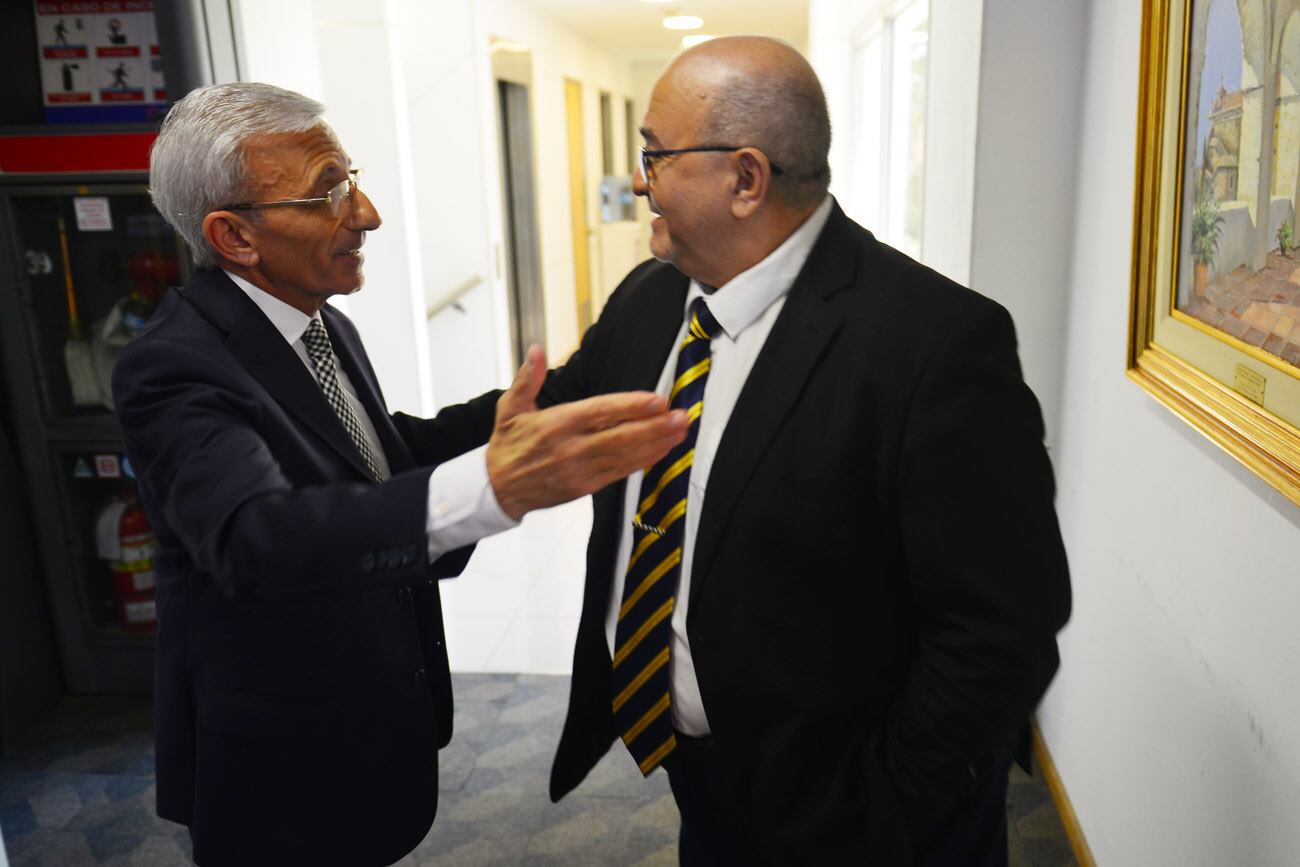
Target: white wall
(409, 88)
(267, 56)
(953, 109)
(453, 116)
(446, 73)
(1173, 720)
(831, 29)
(348, 56)
(1026, 151)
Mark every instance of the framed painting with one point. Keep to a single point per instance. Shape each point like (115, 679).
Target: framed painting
(1215, 319)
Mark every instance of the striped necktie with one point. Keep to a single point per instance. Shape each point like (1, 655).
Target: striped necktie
(644, 631)
(321, 353)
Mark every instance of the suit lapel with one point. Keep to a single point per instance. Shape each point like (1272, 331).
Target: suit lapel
(799, 337)
(263, 352)
(350, 354)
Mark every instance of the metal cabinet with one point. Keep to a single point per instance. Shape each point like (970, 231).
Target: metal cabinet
(82, 265)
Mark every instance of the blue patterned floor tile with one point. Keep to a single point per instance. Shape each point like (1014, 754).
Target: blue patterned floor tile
(17, 819)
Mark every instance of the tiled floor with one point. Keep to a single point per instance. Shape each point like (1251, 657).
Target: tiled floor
(80, 790)
(516, 606)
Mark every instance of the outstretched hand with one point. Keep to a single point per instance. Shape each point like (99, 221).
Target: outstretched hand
(543, 457)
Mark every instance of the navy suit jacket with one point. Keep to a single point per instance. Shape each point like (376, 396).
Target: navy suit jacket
(302, 688)
(878, 576)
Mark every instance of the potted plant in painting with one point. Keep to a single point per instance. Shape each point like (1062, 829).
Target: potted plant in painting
(1285, 238)
(1207, 226)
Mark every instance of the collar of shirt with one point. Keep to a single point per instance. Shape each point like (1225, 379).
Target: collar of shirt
(288, 320)
(743, 299)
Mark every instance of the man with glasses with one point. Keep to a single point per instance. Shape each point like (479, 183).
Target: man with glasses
(302, 690)
(828, 611)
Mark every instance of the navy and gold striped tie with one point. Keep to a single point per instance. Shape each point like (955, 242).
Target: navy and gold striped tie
(644, 632)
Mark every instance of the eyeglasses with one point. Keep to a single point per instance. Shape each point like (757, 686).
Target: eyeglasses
(335, 197)
(648, 157)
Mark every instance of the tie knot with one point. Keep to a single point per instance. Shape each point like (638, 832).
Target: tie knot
(702, 324)
(317, 339)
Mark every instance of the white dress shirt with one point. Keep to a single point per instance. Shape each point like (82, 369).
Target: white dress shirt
(745, 307)
(462, 507)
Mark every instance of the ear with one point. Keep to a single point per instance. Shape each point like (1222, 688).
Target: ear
(753, 178)
(229, 236)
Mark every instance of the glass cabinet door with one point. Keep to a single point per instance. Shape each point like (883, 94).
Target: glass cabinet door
(94, 263)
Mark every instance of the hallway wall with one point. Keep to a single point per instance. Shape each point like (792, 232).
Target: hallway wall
(420, 115)
(349, 56)
(559, 53)
(1173, 719)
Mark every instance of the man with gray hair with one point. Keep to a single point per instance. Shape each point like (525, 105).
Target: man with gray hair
(302, 688)
(827, 612)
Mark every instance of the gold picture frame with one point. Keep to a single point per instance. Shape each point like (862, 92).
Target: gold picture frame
(1215, 346)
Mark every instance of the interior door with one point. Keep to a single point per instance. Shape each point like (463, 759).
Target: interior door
(578, 204)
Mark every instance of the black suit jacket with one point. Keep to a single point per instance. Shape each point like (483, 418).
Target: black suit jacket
(302, 687)
(878, 575)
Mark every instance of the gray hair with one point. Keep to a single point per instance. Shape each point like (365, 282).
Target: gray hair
(787, 119)
(197, 164)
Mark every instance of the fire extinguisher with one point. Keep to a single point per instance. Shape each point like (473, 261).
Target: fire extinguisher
(125, 539)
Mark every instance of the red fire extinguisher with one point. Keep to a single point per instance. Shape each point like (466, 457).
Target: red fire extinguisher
(127, 542)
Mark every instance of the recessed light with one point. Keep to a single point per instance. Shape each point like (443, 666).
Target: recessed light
(695, 39)
(683, 22)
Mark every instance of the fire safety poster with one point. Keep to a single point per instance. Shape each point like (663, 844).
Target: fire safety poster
(99, 61)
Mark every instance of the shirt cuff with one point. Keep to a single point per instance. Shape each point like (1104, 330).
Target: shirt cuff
(463, 507)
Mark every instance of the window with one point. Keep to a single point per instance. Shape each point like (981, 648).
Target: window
(887, 189)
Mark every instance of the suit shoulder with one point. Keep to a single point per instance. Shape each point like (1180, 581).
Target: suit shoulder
(646, 277)
(899, 290)
(176, 344)
(175, 322)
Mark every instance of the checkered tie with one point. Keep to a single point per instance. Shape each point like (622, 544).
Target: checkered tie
(321, 352)
(644, 632)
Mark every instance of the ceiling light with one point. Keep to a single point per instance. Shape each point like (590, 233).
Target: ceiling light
(683, 22)
(695, 39)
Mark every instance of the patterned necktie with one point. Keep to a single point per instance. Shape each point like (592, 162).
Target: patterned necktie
(321, 353)
(644, 631)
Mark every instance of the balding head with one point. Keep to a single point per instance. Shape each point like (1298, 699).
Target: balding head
(761, 92)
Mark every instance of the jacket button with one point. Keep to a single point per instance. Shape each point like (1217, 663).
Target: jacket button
(404, 595)
(419, 678)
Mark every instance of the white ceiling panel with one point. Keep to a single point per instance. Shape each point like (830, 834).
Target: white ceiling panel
(634, 30)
